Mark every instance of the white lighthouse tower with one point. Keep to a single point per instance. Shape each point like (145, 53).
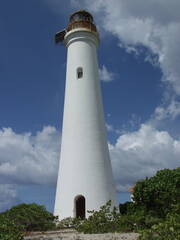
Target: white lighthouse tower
(85, 179)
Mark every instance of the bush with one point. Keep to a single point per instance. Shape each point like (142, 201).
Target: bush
(158, 193)
(169, 229)
(68, 223)
(9, 230)
(124, 208)
(31, 217)
(136, 220)
(103, 221)
(107, 220)
(151, 227)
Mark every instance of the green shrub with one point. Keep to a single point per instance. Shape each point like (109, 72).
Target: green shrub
(68, 223)
(136, 220)
(158, 193)
(103, 221)
(9, 230)
(107, 220)
(124, 208)
(168, 229)
(31, 217)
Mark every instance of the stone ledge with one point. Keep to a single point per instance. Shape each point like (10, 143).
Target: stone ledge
(73, 235)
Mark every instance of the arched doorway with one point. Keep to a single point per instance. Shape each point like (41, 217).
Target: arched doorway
(80, 206)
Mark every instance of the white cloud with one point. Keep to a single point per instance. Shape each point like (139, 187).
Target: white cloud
(140, 154)
(8, 196)
(171, 111)
(26, 159)
(29, 159)
(105, 75)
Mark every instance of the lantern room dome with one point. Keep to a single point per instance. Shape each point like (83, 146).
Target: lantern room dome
(81, 19)
(81, 15)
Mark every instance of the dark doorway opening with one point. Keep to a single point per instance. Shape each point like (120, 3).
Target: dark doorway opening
(80, 207)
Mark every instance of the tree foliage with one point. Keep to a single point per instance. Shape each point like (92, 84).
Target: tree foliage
(124, 208)
(158, 193)
(31, 217)
(68, 223)
(108, 219)
(168, 229)
(9, 230)
(103, 221)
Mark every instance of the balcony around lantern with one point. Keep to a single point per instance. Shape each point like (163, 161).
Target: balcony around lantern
(81, 24)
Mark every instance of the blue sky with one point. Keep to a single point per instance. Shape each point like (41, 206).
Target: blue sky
(139, 59)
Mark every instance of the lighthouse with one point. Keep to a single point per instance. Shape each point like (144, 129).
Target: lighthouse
(85, 180)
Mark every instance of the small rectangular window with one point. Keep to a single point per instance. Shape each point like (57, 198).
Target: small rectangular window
(79, 72)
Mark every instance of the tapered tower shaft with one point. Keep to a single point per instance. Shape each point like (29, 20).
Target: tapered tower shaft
(85, 179)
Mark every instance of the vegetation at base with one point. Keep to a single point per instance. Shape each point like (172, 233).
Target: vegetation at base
(68, 223)
(103, 221)
(155, 212)
(31, 217)
(167, 229)
(125, 207)
(108, 219)
(9, 230)
(159, 193)
(14, 223)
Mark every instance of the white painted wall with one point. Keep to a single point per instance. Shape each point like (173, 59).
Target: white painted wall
(85, 167)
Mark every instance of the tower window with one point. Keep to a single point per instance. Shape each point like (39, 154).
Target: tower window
(79, 72)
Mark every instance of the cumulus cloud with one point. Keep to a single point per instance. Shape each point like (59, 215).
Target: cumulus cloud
(26, 159)
(8, 196)
(106, 75)
(140, 154)
(171, 111)
(155, 24)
